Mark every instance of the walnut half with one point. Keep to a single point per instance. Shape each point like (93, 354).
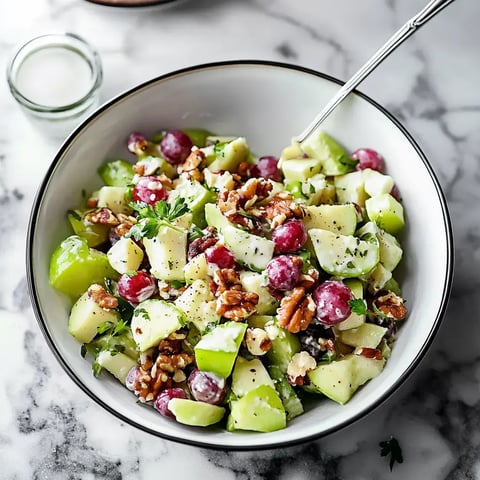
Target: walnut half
(296, 310)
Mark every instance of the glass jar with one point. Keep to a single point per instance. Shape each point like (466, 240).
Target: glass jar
(56, 78)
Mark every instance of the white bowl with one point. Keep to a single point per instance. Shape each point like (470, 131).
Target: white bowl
(268, 104)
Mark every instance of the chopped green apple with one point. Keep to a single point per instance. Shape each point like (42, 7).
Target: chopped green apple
(196, 269)
(255, 282)
(344, 255)
(260, 410)
(196, 414)
(376, 183)
(198, 304)
(366, 335)
(117, 173)
(217, 350)
(114, 198)
(292, 404)
(351, 188)
(386, 212)
(74, 266)
(377, 278)
(335, 218)
(117, 363)
(215, 218)
(95, 234)
(354, 320)
(333, 157)
(125, 255)
(153, 320)
(248, 375)
(249, 249)
(86, 316)
(340, 379)
(229, 155)
(198, 136)
(300, 169)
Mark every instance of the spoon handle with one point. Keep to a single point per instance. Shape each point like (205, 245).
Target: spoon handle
(422, 17)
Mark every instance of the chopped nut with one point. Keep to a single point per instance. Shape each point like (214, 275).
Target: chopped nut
(236, 304)
(101, 297)
(300, 364)
(92, 202)
(226, 279)
(296, 310)
(199, 245)
(257, 341)
(103, 216)
(282, 207)
(126, 223)
(192, 163)
(391, 305)
(369, 352)
(155, 376)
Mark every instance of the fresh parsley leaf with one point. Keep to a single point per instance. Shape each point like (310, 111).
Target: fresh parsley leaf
(194, 233)
(346, 160)
(143, 313)
(75, 215)
(391, 447)
(150, 219)
(358, 306)
(176, 284)
(83, 350)
(104, 327)
(96, 368)
(120, 328)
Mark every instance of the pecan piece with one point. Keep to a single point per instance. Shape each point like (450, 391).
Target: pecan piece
(126, 223)
(282, 207)
(236, 304)
(155, 376)
(103, 216)
(192, 164)
(225, 279)
(199, 245)
(391, 305)
(92, 202)
(296, 310)
(101, 297)
(369, 352)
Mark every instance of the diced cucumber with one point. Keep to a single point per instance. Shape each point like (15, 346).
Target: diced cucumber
(125, 255)
(253, 251)
(85, 317)
(117, 173)
(248, 375)
(196, 414)
(335, 218)
(292, 404)
(344, 255)
(167, 253)
(366, 335)
(333, 157)
(118, 364)
(198, 304)
(255, 282)
(114, 198)
(153, 320)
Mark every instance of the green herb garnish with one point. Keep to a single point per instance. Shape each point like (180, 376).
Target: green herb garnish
(150, 219)
(391, 447)
(358, 306)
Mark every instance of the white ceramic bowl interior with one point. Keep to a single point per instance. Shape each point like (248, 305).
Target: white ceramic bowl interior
(268, 104)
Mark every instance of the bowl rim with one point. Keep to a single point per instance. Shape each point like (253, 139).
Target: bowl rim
(30, 238)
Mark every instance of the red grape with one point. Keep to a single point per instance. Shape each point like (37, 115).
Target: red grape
(132, 378)
(149, 190)
(207, 387)
(368, 158)
(332, 300)
(164, 397)
(220, 256)
(284, 272)
(290, 236)
(176, 146)
(137, 287)
(136, 143)
(267, 167)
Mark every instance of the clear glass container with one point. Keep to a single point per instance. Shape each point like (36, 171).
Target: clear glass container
(56, 78)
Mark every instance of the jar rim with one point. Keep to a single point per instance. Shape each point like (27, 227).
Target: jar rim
(67, 40)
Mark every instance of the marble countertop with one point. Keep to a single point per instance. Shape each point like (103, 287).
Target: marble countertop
(49, 429)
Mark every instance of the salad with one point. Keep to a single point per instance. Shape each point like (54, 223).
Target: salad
(220, 287)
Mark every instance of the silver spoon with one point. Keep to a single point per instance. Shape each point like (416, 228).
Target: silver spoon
(422, 17)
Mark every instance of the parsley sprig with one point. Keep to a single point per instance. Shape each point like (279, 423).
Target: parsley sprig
(150, 219)
(391, 447)
(358, 306)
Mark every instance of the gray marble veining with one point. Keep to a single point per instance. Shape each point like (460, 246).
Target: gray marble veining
(50, 430)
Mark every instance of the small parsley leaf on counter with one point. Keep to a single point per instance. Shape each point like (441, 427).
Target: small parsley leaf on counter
(391, 447)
